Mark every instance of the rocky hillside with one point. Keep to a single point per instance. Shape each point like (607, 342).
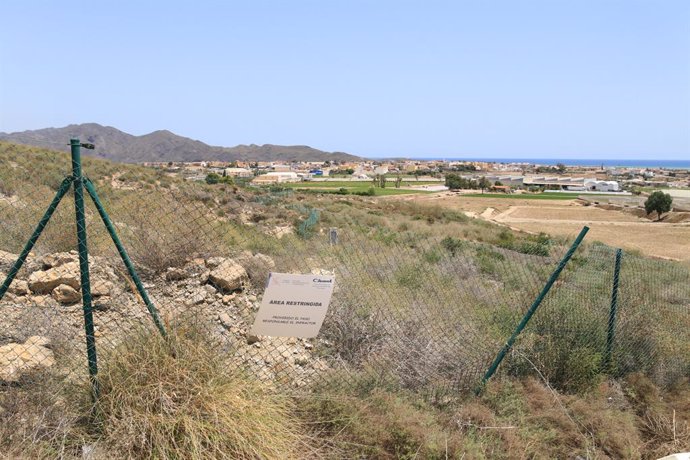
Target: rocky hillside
(116, 145)
(42, 325)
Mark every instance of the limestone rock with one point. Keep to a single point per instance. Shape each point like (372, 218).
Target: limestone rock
(228, 276)
(66, 294)
(7, 259)
(225, 320)
(42, 301)
(213, 262)
(100, 288)
(18, 287)
(58, 259)
(196, 298)
(16, 359)
(44, 281)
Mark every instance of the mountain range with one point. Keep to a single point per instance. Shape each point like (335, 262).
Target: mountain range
(159, 146)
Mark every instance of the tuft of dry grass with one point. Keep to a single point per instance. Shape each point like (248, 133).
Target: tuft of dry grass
(40, 419)
(179, 398)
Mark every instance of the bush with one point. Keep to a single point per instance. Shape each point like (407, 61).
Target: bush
(371, 191)
(306, 228)
(180, 398)
(452, 245)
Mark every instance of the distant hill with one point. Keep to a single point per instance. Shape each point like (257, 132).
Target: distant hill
(116, 145)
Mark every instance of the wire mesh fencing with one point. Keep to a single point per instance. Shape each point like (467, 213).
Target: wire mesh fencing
(425, 297)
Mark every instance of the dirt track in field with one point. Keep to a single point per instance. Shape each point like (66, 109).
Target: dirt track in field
(566, 218)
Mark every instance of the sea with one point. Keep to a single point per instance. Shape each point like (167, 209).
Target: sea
(666, 164)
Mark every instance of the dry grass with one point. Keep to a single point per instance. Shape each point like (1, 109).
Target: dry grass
(179, 398)
(512, 419)
(42, 419)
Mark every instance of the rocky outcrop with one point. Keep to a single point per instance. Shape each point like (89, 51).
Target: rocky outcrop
(61, 258)
(222, 292)
(18, 359)
(44, 281)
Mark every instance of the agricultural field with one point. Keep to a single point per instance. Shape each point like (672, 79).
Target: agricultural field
(565, 217)
(359, 187)
(524, 196)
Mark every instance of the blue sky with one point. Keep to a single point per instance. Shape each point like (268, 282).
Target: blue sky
(519, 78)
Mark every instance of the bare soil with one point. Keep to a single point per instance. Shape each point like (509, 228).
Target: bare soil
(669, 239)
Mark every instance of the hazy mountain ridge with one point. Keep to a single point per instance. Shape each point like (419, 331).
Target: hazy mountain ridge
(163, 145)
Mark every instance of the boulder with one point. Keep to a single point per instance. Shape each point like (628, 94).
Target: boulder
(17, 359)
(58, 259)
(18, 287)
(100, 288)
(66, 294)
(44, 281)
(228, 276)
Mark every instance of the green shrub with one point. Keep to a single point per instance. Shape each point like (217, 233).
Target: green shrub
(452, 245)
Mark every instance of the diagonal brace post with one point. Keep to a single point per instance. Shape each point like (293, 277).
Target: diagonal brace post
(532, 309)
(124, 256)
(611, 329)
(64, 188)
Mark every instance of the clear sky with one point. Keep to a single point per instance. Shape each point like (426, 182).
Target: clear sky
(484, 78)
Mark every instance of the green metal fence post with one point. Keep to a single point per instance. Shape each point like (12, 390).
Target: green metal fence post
(123, 254)
(64, 187)
(84, 265)
(533, 308)
(611, 330)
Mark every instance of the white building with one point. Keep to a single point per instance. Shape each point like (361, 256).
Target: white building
(602, 185)
(277, 177)
(238, 172)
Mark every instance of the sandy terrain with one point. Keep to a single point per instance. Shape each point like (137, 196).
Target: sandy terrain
(567, 217)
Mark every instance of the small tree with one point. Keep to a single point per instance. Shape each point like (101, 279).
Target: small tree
(454, 182)
(484, 183)
(213, 178)
(658, 201)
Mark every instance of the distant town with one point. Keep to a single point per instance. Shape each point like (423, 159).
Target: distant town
(500, 177)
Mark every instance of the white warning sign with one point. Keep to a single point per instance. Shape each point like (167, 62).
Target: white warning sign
(294, 305)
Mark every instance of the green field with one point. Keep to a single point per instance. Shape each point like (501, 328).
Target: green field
(355, 187)
(359, 183)
(529, 196)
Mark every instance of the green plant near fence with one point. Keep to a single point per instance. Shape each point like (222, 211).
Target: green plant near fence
(306, 228)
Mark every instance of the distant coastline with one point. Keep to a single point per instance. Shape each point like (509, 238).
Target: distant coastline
(666, 164)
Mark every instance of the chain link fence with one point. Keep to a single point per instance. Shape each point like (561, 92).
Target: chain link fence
(425, 297)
